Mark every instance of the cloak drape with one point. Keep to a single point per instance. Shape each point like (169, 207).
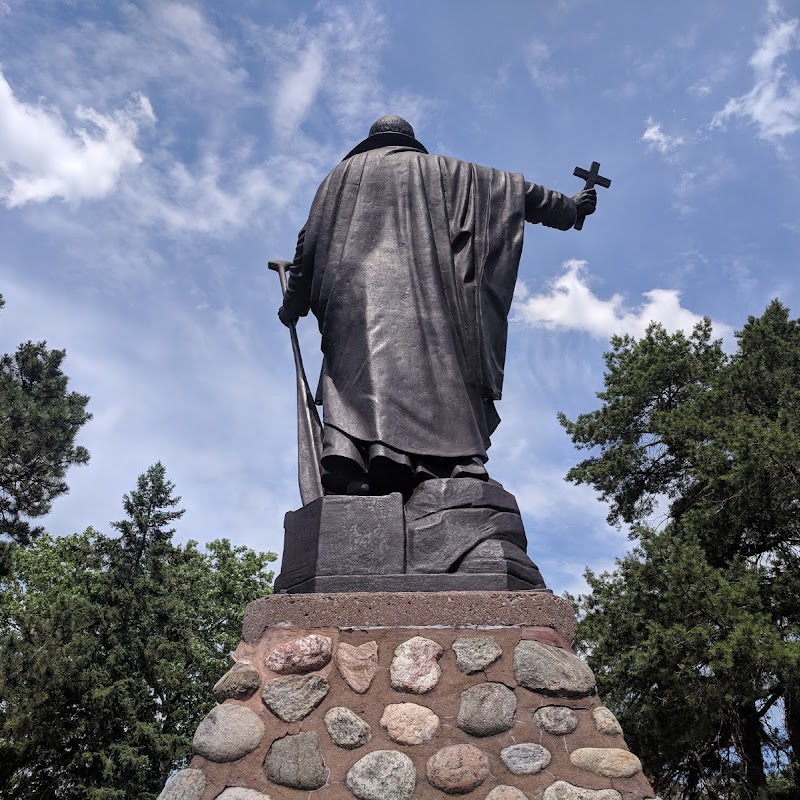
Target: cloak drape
(412, 260)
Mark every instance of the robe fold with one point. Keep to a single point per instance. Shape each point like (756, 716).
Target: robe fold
(409, 263)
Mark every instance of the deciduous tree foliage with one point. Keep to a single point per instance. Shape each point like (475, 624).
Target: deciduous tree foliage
(39, 419)
(109, 647)
(694, 636)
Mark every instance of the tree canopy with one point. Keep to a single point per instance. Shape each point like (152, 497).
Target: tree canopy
(695, 635)
(39, 420)
(109, 647)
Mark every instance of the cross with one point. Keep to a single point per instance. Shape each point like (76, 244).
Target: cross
(593, 178)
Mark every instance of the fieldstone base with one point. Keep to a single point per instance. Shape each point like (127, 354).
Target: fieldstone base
(413, 695)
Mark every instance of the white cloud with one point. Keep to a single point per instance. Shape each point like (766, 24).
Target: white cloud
(334, 61)
(42, 157)
(773, 104)
(656, 139)
(537, 55)
(571, 305)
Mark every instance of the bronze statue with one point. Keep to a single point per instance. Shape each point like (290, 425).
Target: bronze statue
(408, 261)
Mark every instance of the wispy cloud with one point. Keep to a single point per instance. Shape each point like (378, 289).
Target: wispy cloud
(537, 57)
(773, 104)
(655, 138)
(43, 157)
(570, 304)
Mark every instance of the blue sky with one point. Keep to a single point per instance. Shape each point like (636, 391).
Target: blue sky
(153, 156)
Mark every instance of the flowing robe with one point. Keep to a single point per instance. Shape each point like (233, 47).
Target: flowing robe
(409, 263)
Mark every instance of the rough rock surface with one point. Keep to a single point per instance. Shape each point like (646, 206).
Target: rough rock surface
(238, 683)
(558, 720)
(610, 762)
(477, 653)
(526, 758)
(415, 666)
(296, 761)
(382, 775)
(187, 784)
(561, 790)
(228, 732)
(306, 654)
(296, 696)
(487, 709)
(457, 769)
(357, 665)
(606, 722)
(551, 670)
(238, 793)
(409, 723)
(346, 728)
(504, 792)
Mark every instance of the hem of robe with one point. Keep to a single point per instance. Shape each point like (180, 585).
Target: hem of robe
(385, 469)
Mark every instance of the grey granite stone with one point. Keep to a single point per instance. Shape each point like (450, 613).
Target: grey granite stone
(294, 697)
(610, 762)
(561, 790)
(186, 784)
(457, 769)
(415, 666)
(557, 720)
(382, 775)
(525, 758)
(504, 792)
(606, 722)
(409, 723)
(228, 733)
(476, 653)
(551, 670)
(238, 683)
(306, 654)
(239, 793)
(487, 709)
(296, 761)
(346, 728)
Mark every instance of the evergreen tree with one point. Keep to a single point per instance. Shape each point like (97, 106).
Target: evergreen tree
(39, 419)
(109, 648)
(694, 637)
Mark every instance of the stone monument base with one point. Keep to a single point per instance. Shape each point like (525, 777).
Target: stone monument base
(392, 696)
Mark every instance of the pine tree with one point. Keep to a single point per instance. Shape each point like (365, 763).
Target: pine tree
(695, 635)
(39, 419)
(109, 648)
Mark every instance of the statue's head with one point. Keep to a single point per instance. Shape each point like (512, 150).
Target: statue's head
(388, 131)
(391, 123)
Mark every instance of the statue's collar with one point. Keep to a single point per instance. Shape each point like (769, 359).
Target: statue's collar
(386, 139)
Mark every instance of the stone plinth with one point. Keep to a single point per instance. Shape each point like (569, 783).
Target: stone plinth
(408, 706)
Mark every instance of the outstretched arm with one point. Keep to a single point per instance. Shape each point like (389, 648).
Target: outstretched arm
(297, 299)
(556, 210)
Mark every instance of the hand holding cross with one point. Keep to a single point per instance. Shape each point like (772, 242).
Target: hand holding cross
(593, 178)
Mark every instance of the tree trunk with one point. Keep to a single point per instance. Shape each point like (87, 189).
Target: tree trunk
(754, 782)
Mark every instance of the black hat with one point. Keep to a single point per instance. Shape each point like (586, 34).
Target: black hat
(385, 132)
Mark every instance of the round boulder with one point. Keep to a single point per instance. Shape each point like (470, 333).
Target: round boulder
(610, 762)
(409, 723)
(306, 654)
(346, 728)
(294, 697)
(382, 775)
(296, 761)
(228, 733)
(487, 709)
(415, 666)
(557, 720)
(457, 769)
(551, 670)
(526, 758)
(476, 653)
(186, 784)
